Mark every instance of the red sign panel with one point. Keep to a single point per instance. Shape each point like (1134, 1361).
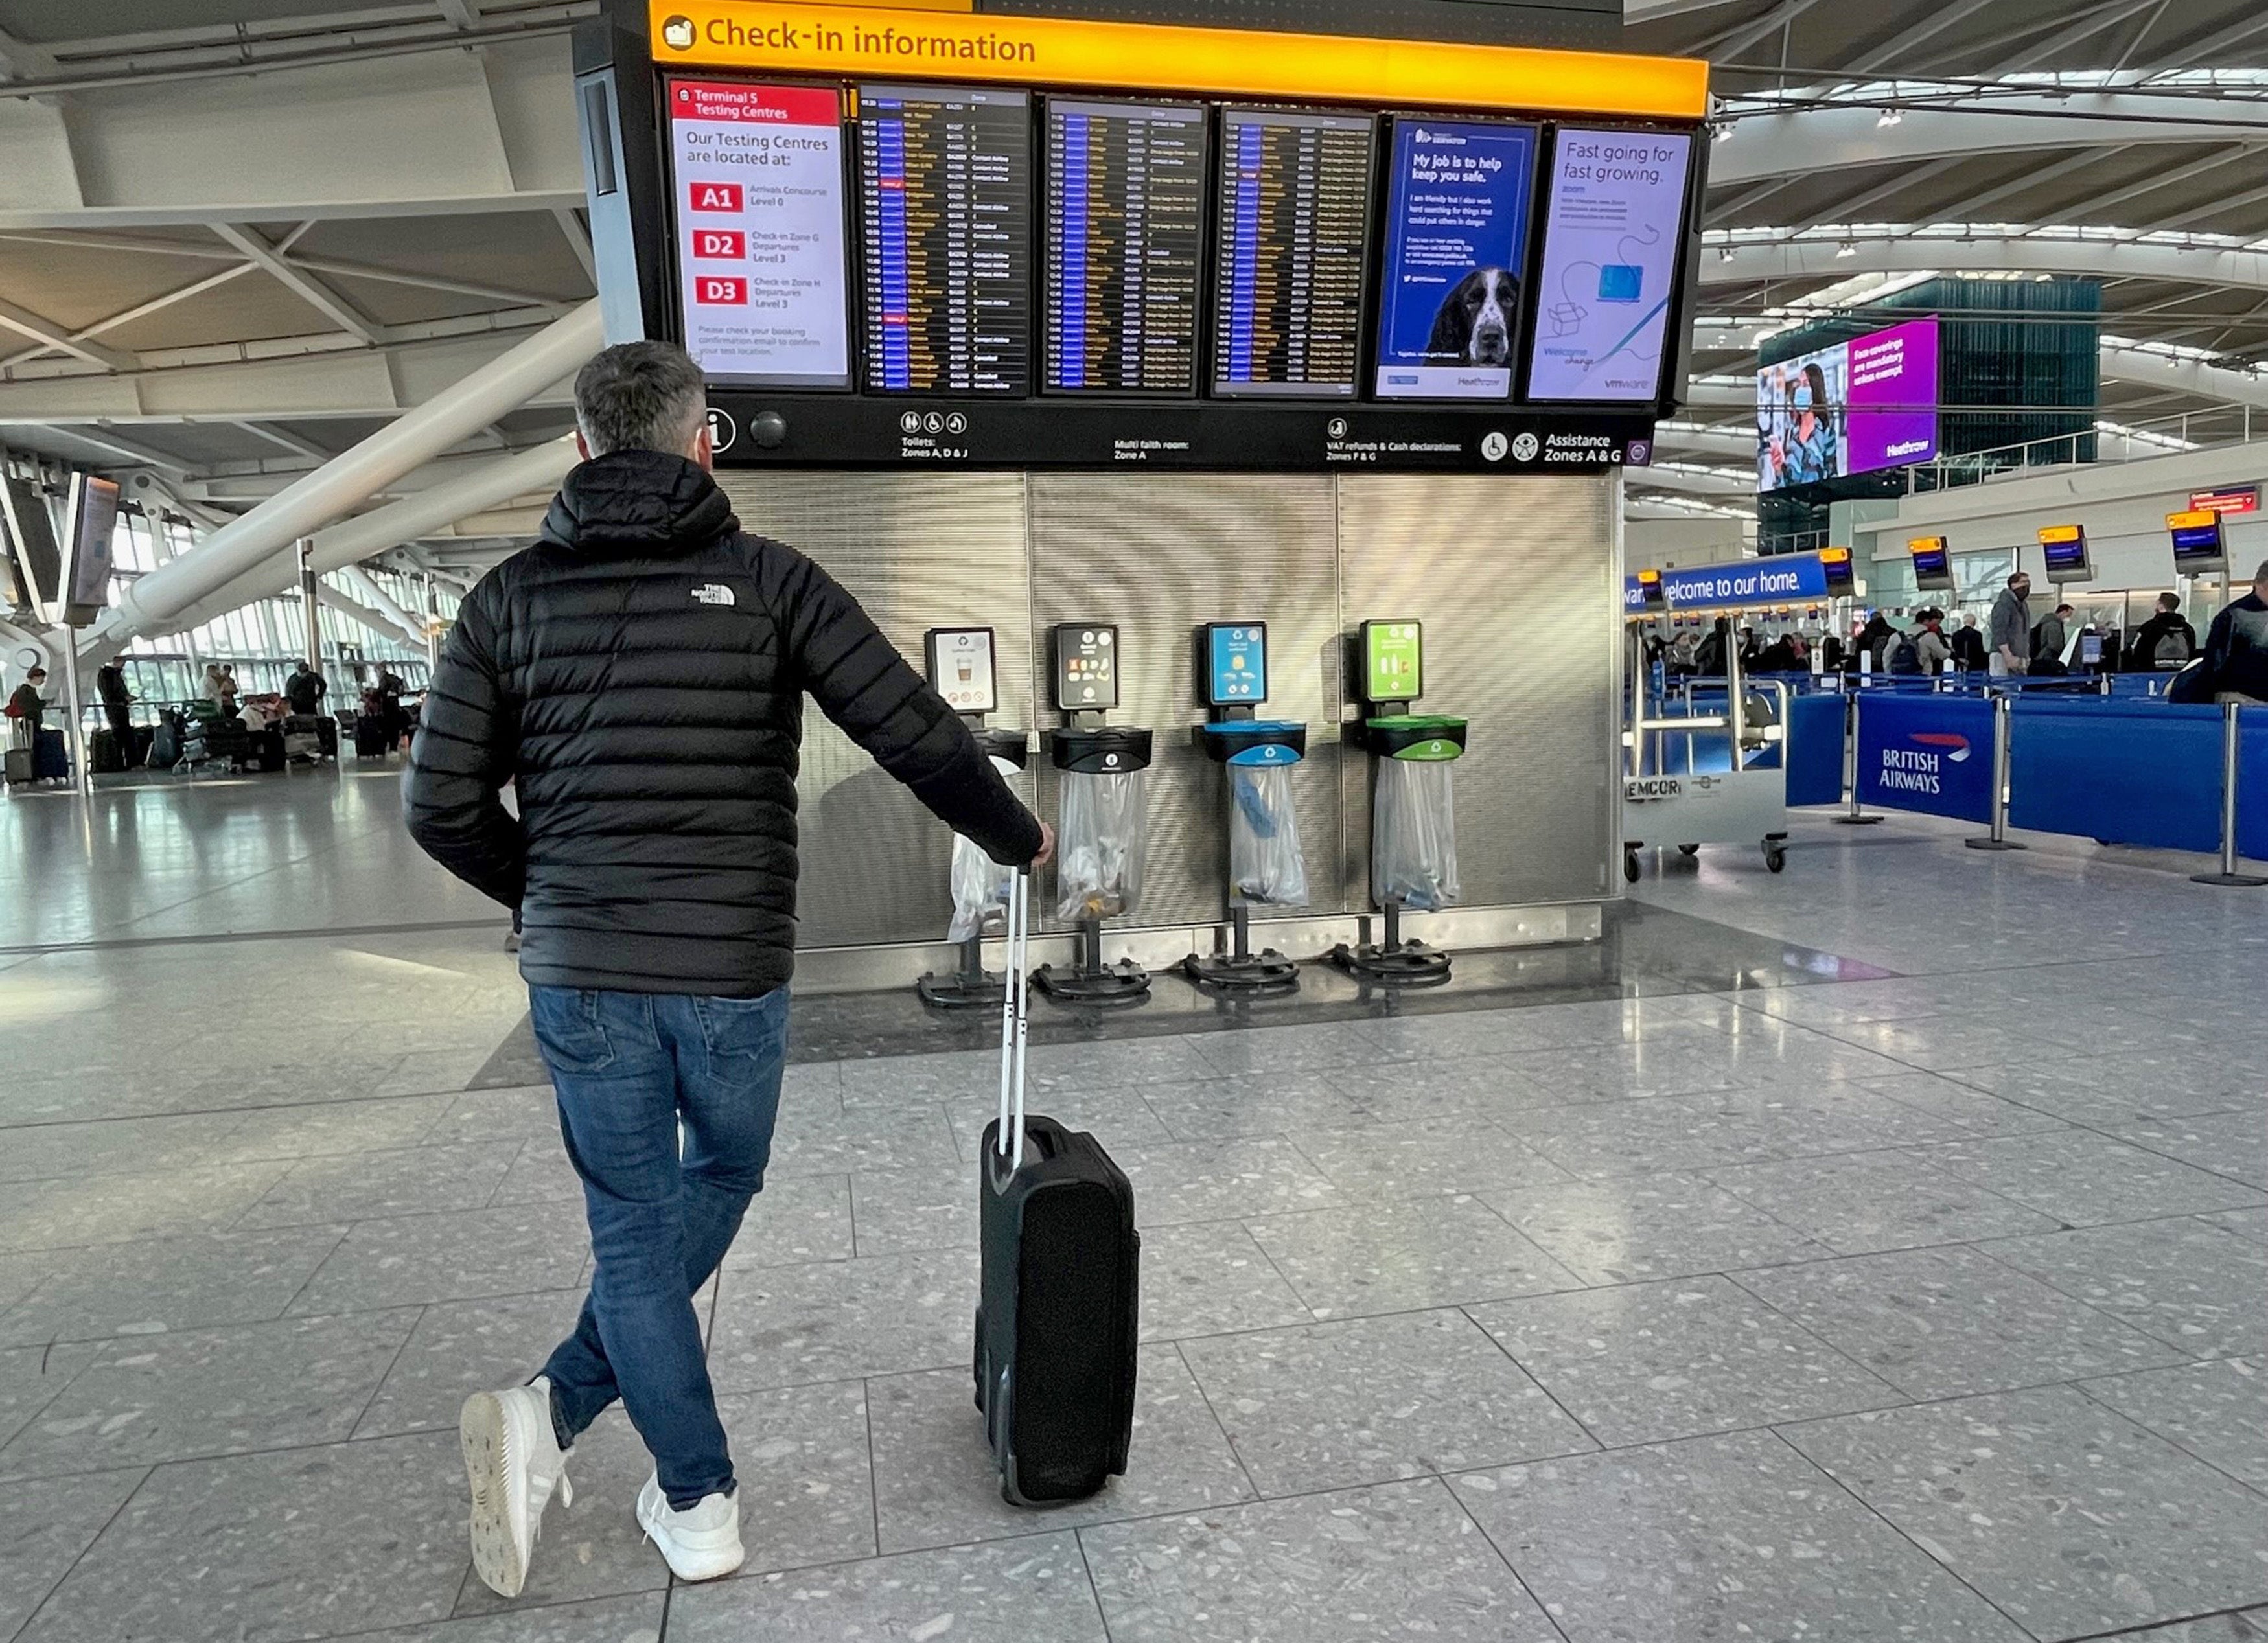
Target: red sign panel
(717, 290)
(721, 244)
(2227, 499)
(714, 196)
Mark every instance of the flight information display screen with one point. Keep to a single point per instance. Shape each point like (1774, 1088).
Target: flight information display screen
(1290, 253)
(1125, 238)
(945, 223)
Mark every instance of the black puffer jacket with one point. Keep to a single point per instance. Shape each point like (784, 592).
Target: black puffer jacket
(640, 674)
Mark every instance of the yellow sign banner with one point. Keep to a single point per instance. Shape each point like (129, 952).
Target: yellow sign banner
(835, 40)
(2192, 520)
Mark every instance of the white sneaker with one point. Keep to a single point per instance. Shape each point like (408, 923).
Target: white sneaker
(513, 1462)
(701, 1543)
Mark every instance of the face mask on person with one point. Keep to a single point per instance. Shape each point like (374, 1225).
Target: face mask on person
(1803, 398)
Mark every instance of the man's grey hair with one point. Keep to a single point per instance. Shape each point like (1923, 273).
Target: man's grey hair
(640, 397)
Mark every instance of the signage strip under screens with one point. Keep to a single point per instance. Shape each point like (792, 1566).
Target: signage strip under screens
(1774, 579)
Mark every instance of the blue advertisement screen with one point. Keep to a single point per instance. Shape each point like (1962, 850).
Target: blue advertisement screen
(1771, 580)
(1458, 200)
(2197, 541)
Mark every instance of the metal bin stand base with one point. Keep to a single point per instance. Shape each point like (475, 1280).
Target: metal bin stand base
(1240, 969)
(1992, 843)
(1394, 962)
(2234, 881)
(1091, 981)
(971, 987)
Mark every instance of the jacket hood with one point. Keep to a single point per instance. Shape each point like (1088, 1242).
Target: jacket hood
(644, 501)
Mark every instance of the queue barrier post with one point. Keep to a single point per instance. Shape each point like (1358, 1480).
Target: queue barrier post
(2230, 741)
(1853, 816)
(1999, 839)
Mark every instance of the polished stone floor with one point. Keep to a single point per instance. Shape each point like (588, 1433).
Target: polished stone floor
(1878, 1251)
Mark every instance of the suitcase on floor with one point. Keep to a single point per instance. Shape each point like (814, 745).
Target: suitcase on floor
(20, 767)
(102, 753)
(1055, 1327)
(52, 761)
(371, 739)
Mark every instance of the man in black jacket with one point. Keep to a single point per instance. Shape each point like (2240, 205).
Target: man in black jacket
(2165, 641)
(639, 675)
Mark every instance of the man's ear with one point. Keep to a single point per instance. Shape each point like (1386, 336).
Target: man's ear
(705, 448)
(582, 446)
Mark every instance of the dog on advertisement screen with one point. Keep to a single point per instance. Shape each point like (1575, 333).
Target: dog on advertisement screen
(1474, 322)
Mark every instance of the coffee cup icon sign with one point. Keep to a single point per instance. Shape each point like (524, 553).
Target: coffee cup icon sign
(677, 33)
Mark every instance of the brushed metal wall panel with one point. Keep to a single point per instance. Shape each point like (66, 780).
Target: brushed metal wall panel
(1160, 553)
(1512, 578)
(919, 550)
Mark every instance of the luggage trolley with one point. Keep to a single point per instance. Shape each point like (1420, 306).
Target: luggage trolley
(1689, 808)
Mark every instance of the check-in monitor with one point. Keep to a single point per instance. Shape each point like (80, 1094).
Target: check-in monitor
(1933, 564)
(2199, 547)
(2064, 548)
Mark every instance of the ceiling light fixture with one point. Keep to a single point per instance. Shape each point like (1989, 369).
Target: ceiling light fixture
(1846, 249)
(1888, 117)
(1725, 253)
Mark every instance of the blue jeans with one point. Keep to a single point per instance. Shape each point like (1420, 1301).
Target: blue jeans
(666, 1102)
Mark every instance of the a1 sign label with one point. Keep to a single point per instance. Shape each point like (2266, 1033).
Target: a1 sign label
(715, 196)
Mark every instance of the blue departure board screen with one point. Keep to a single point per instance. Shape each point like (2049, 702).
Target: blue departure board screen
(1125, 238)
(1290, 253)
(946, 229)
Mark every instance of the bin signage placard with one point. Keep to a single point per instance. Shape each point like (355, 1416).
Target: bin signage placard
(1932, 754)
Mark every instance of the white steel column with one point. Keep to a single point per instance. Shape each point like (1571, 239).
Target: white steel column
(313, 501)
(349, 542)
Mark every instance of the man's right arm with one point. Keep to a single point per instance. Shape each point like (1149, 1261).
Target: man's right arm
(862, 684)
(463, 756)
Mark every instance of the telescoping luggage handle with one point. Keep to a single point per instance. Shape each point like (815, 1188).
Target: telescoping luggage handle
(1015, 1020)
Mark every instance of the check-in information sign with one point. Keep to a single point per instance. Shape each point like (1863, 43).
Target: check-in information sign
(760, 243)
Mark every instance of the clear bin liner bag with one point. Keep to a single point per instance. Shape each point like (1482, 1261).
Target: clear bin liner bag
(980, 892)
(980, 885)
(1104, 837)
(1264, 863)
(1413, 834)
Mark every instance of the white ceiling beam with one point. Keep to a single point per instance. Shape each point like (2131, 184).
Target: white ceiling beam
(1847, 209)
(339, 210)
(289, 441)
(2196, 216)
(2157, 180)
(2201, 47)
(122, 242)
(2149, 27)
(1935, 22)
(424, 282)
(1965, 209)
(133, 450)
(1658, 11)
(1907, 249)
(1733, 41)
(304, 286)
(459, 14)
(1841, 136)
(579, 239)
(20, 60)
(25, 322)
(2085, 25)
(139, 311)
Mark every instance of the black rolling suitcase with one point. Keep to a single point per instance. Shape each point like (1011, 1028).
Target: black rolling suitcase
(1056, 1326)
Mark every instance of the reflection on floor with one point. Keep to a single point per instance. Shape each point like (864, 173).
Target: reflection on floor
(1875, 1251)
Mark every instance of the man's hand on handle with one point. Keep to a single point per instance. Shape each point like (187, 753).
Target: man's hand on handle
(1047, 847)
